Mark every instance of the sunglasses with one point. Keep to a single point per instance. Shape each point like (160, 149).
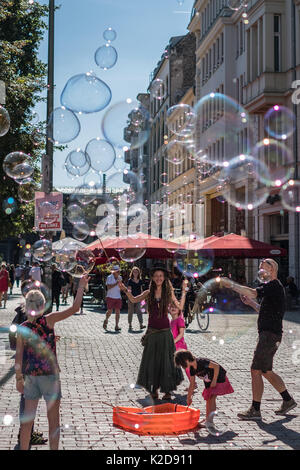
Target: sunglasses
(268, 262)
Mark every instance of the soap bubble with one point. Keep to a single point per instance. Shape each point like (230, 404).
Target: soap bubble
(195, 264)
(85, 93)
(280, 122)
(78, 233)
(74, 213)
(47, 212)
(79, 159)
(220, 118)
(65, 258)
(17, 165)
(181, 120)
(158, 89)
(106, 56)
(63, 126)
(85, 261)
(82, 169)
(37, 285)
(263, 276)
(126, 123)
(42, 250)
(290, 195)
(4, 121)
(216, 424)
(102, 155)
(109, 34)
(237, 4)
(9, 205)
(250, 171)
(279, 160)
(176, 152)
(27, 190)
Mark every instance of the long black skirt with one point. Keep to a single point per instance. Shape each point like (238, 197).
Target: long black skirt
(157, 369)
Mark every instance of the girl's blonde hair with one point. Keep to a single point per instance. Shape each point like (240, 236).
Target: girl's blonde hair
(34, 304)
(131, 272)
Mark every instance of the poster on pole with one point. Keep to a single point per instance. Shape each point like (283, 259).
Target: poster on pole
(48, 211)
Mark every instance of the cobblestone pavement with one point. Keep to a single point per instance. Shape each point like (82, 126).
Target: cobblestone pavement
(97, 367)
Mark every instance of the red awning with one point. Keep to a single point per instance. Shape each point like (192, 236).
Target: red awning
(237, 246)
(155, 247)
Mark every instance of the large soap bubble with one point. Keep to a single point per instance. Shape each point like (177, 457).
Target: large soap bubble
(4, 121)
(280, 122)
(63, 126)
(279, 160)
(85, 93)
(102, 155)
(242, 185)
(181, 120)
(77, 163)
(220, 119)
(290, 195)
(106, 56)
(126, 122)
(42, 250)
(18, 165)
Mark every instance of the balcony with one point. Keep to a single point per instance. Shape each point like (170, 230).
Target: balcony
(267, 89)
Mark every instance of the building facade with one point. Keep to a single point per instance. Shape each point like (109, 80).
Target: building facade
(253, 56)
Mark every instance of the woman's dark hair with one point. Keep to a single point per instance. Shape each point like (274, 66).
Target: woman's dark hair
(166, 295)
(182, 356)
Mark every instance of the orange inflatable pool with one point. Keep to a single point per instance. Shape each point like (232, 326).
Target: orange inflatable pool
(168, 418)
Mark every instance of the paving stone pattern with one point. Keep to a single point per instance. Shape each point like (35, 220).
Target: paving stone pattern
(97, 368)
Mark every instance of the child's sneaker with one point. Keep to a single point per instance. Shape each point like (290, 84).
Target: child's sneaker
(286, 407)
(105, 325)
(250, 414)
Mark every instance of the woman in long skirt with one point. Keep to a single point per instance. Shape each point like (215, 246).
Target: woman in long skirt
(157, 369)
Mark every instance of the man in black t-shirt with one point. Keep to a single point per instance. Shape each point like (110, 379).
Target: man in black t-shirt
(270, 316)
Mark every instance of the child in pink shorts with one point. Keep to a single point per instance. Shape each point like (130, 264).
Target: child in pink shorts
(177, 327)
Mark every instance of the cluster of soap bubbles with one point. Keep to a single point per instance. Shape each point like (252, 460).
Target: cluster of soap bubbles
(209, 134)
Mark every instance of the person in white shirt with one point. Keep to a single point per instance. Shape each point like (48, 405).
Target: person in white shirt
(36, 272)
(113, 296)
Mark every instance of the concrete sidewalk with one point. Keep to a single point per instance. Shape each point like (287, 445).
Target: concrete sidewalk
(97, 368)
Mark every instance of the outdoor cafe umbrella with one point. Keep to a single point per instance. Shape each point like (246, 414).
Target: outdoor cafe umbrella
(237, 246)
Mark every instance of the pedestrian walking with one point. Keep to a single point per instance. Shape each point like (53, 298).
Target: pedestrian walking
(215, 379)
(4, 281)
(57, 282)
(36, 272)
(11, 273)
(66, 287)
(38, 362)
(135, 286)
(157, 369)
(113, 297)
(177, 327)
(26, 271)
(18, 274)
(270, 316)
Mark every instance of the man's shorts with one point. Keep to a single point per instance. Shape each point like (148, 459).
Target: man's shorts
(38, 386)
(266, 348)
(113, 303)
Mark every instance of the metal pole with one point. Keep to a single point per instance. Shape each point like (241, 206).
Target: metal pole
(47, 163)
(47, 167)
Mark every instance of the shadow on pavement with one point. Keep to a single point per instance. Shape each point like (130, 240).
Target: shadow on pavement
(281, 433)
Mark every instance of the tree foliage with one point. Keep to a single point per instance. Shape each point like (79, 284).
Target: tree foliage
(22, 26)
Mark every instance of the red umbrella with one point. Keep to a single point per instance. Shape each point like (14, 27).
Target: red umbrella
(155, 247)
(200, 244)
(237, 246)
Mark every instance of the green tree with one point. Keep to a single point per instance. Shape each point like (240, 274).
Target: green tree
(22, 26)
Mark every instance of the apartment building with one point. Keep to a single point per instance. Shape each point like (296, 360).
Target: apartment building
(253, 56)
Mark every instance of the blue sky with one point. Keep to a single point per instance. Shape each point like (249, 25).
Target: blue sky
(143, 30)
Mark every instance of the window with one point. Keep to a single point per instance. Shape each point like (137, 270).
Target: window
(277, 51)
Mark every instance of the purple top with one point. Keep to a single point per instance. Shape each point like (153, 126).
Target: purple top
(159, 323)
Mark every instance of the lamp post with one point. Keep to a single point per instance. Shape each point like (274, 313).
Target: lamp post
(47, 167)
(47, 162)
